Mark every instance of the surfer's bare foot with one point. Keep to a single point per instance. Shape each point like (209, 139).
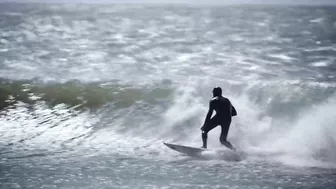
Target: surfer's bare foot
(231, 147)
(228, 145)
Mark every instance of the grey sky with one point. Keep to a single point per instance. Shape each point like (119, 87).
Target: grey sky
(314, 2)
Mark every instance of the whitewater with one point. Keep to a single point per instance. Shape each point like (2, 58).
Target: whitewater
(89, 93)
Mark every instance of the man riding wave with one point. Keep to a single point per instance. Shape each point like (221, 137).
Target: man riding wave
(224, 112)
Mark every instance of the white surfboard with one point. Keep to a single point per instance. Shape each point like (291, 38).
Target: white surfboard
(191, 151)
(226, 154)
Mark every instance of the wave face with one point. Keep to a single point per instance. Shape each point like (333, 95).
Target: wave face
(115, 81)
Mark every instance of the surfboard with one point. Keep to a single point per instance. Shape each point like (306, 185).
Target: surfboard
(191, 151)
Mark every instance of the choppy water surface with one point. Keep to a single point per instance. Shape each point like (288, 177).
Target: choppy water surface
(88, 93)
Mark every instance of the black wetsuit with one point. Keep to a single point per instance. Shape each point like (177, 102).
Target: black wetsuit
(224, 112)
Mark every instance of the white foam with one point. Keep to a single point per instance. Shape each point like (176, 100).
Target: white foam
(13, 14)
(283, 57)
(311, 138)
(4, 41)
(317, 20)
(49, 130)
(222, 154)
(320, 64)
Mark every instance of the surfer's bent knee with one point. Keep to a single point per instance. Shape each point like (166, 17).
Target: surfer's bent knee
(204, 134)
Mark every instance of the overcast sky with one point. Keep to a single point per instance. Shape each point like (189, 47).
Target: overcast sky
(315, 2)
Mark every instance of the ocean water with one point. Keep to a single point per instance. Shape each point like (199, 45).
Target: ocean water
(88, 93)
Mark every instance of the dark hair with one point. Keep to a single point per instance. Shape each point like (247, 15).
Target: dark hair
(217, 91)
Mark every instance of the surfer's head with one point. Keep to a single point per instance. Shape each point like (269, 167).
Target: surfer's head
(217, 91)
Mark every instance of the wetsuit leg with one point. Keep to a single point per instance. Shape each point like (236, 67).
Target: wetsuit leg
(204, 139)
(223, 137)
(225, 130)
(206, 128)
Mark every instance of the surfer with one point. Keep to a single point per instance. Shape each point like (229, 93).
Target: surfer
(224, 111)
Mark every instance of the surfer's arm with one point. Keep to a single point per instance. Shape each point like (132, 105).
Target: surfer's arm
(209, 114)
